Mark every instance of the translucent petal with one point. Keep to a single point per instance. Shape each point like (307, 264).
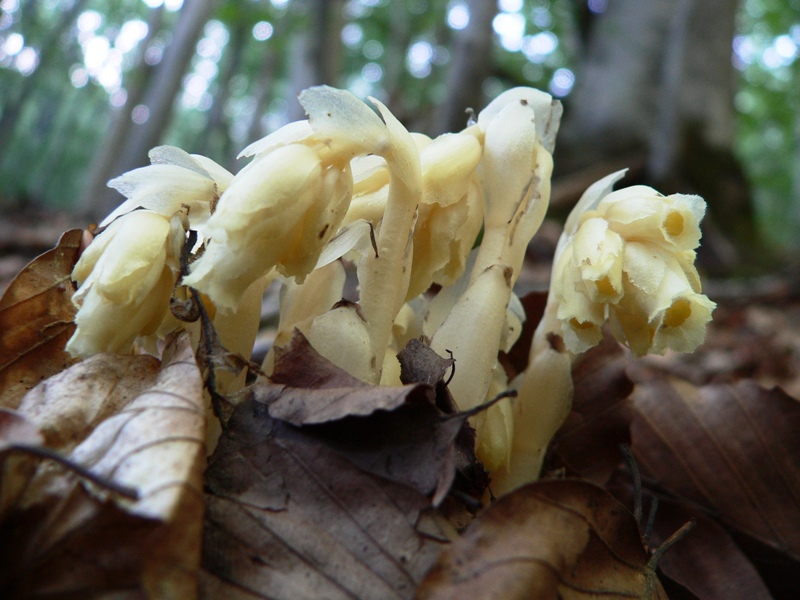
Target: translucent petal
(292, 133)
(547, 111)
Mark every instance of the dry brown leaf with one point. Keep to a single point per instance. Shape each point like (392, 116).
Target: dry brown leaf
(397, 433)
(67, 537)
(707, 561)
(316, 391)
(557, 538)
(289, 518)
(36, 316)
(419, 363)
(16, 468)
(587, 445)
(729, 449)
(68, 406)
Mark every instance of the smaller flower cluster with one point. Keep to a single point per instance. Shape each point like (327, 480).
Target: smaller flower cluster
(627, 256)
(128, 273)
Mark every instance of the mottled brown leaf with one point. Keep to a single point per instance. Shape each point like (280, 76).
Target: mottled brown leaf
(707, 562)
(395, 432)
(557, 538)
(68, 406)
(420, 364)
(36, 316)
(69, 538)
(587, 445)
(287, 517)
(729, 449)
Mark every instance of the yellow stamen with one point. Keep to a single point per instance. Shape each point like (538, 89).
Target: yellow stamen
(673, 224)
(677, 313)
(605, 287)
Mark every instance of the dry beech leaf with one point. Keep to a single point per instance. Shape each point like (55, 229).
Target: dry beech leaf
(707, 562)
(419, 363)
(289, 518)
(16, 429)
(728, 449)
(394, 432)
(16, 468)
(587, 445)
(558, 538)
(36, 315)
(68, 406)
(69, 538)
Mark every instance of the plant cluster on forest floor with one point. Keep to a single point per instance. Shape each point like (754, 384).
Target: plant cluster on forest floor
(313, 491)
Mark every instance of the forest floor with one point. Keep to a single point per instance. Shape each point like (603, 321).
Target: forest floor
(755, 333)
(715, 451)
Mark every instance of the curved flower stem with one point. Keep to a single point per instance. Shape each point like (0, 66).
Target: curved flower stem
(384, 278)
(543, 403)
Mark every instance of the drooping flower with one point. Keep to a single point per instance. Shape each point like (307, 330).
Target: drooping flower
(126, 278)
(627, 256)
(281, 209)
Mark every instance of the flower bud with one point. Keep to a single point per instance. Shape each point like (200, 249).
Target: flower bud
(628, 258)
(126, 282)
(259, 223)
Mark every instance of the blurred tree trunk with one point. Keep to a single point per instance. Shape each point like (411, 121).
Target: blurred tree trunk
(315, 51)
(470, 66)
(655, 92)
(398, 38)
(263, 87)
(216, 139)
(158, 98)
(18, 96)
(102, 167)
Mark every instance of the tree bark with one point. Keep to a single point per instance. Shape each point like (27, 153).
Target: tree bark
(159, 99)
(655, 88)
(263, 87)
(17, 101)
(315, 51)
(470, 66)
(216, 140)
(103, 164)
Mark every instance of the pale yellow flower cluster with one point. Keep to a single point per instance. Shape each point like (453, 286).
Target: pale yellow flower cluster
(627, 257)
(127, 274)
(351, 188)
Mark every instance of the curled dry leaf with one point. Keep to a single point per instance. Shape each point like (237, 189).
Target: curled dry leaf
(730, 450)
(587, 445)
(36, 316)
(287, 517)
(397, 433)
(420, 364)
(567, 539)
(70, 538)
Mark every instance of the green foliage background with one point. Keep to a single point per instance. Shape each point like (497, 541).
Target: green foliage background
(60, 125)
